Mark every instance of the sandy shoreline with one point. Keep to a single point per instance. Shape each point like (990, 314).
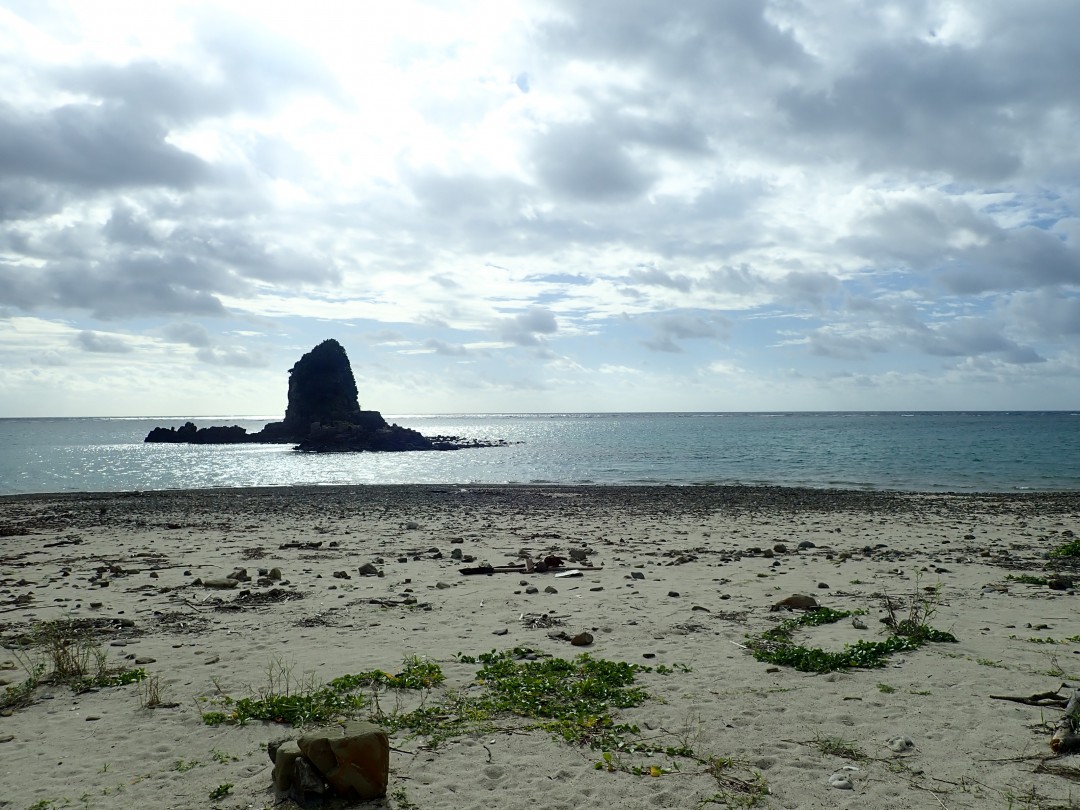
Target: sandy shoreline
(707, 574)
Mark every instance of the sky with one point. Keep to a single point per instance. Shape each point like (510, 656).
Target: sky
(500, 206)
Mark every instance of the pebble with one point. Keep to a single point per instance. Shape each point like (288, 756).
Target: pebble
(637, 575)
(597, 588)
(502, 632)
(823, 584)
(582, 640)
(551, 589)
(673, 594)
(841, 781)
(900, 743)
(442, 586)
(532, 589)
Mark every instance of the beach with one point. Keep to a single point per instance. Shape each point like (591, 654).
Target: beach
(679, 580)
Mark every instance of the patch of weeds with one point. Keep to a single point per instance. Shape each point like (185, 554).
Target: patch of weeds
(287, 699)
(1068, 550)
(777, 646)
(922, 692)
(185, 765)
(837, 747)
(885, 689)
(739, 785)
(221, 791)
(1026, 579)
(61, 652)
(400, 800)
(986, 662)
(222, 757)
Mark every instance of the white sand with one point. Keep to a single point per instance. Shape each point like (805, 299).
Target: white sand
(101, 749)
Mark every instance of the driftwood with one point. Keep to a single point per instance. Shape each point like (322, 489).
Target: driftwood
(1066, 740)
(520, 569)
(1054, 698)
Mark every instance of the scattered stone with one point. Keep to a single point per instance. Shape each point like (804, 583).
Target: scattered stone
(701, 609)
(805, 544)
(823, 585)
(144, 660)
(780, 548)
(240, 575)
(342, 575)
(368, 570)
(551, 589)
(637, 575)
(275, 574)
(222, 583)
(442, 586)
(841, 781)
(532, 589)
(900, 743)
(455, 554)
(578, 554)
(673, 594)
(582, 640)
(597, 588)
(796, 602)
(501, 632)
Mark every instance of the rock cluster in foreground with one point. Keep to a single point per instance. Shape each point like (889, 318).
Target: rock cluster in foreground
(323, 415)
(350, 761)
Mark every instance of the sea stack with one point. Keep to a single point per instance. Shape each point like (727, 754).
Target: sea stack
(323, 415)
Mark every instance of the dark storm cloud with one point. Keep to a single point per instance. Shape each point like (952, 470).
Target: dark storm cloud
(1045, 312)
(101, 344)
(126, 288)
(672, 327)
(93, 147)
(24, 199)
(652, 276)
(446, 349)
(581, 162)
(900, 329)
(975, 111)
(190, 333)
(525, 329)
(681, 40)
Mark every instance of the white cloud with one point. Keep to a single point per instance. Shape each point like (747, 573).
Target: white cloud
(885, 196)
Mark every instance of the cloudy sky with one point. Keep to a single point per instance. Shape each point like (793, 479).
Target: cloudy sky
(540, 206)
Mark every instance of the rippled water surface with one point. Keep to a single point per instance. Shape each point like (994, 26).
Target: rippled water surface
(922, 451)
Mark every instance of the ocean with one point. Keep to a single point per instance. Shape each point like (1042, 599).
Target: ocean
(923, 451)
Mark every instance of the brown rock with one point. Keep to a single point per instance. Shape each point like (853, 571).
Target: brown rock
(796, 602)
(354, 760)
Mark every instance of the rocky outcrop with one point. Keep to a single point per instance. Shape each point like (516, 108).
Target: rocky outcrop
(350, 761)
(323, 415)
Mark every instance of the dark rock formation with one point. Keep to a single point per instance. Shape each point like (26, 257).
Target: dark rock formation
(323, 415)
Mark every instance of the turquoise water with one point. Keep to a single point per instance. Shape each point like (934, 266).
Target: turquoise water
(956, 451)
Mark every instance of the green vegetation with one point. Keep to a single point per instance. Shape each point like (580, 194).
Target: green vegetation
(221, 791)
(1068, 550)
(286, 699)
(1026, 579)
(63, 652)
(777, 646)
(884, 688)
(838, 747)
(576, 701)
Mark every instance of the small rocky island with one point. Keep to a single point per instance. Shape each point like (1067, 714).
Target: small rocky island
(323, 416)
